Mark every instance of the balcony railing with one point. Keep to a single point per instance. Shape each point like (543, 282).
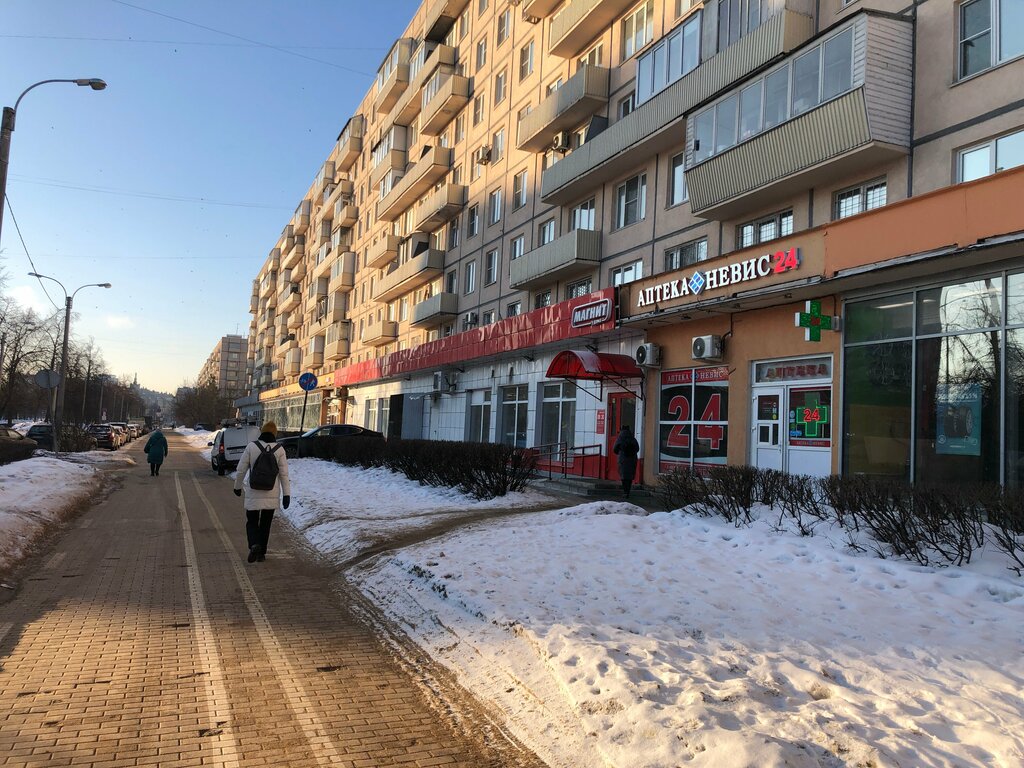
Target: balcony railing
(440, 207)
(437, 310)
(427, 171)
(324, 176)
(274, 260)
(343, 273)
(539, 9)
(452, 95)
(580, 96)
(417, 271)
(295, 254)
(300, 221)
(580, 21)
(338, 340)
(394, 160)
(350, 143)
(410, 103)
(383, 252)
(323, 261)
(570, 255)
(289, 298)
(380, 333)
(441, 17)
(345, 214)
(397, 80)
(654, 126)
(293, 362)
(295, 319)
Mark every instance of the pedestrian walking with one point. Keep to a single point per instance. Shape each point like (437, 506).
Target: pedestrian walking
(263, 476)
(626, 448)
(156, 449)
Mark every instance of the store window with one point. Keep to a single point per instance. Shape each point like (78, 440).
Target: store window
(514, 409)
(558, 413)
(995, 155)
(693, 418)
(479, 416)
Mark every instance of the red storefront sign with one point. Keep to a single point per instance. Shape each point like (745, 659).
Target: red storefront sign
(600, 421)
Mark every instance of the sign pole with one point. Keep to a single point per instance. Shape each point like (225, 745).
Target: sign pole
(307, 381)
(302, 421)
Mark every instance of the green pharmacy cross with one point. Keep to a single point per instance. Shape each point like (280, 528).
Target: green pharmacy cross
(812, 321)
(812, 416)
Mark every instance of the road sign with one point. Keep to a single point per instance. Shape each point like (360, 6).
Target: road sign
(47, 379)
(307, 381)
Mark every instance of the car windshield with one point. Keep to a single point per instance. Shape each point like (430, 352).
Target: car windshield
(311, 433)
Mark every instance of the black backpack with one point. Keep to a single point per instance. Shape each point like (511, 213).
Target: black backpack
(263, 472)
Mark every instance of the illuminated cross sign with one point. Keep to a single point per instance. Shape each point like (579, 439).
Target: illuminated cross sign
(812, 417)
(813, 321)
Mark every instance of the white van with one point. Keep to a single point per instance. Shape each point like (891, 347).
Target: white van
(228, 444)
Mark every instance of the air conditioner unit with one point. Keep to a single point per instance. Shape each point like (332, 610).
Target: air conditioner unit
(439, 382)
(560, 141)
(470, 318)
(648, 355)
(706, 348)
(482, 155)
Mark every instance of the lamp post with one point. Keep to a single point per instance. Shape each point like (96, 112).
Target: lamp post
(7, 128)
(62, 384)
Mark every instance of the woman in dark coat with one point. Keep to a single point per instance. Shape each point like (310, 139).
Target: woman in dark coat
(626, 448)
(156, 449)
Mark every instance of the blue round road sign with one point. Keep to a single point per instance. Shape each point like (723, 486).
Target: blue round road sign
(307, 381)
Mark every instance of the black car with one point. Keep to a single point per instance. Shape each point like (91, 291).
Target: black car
(305, 444)
(104, 435)
(42, 434)
(14, 446)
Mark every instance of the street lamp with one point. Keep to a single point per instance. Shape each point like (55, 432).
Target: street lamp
(7, 128)
(58, 414)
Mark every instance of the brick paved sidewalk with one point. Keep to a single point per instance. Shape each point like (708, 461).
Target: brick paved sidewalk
(145, 638)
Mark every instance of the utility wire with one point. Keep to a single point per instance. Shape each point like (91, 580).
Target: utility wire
(42, 285)
(243, 39)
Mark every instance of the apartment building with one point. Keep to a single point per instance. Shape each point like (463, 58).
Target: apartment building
(227, 366)
(777, 232)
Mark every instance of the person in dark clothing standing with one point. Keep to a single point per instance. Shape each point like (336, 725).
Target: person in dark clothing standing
(626, 448)
(260, 505)
(156, 449)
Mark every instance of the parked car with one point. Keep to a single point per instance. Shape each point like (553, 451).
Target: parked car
(133, 430)
(119, 433)
(123, 427)
(228, 444)
(301, 446)
(106, 436)
(14, 446)
(42, 434)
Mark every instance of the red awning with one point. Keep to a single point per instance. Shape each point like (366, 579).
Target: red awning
(593, 366)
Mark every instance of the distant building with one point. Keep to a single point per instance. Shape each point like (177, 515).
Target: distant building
(226, 366)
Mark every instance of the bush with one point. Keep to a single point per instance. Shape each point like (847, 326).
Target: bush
(801, 500)
(1005, 514)
(731, 494)
(74, 439)
(680, 488)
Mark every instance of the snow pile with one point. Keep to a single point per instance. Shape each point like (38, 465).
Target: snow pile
(198, 439)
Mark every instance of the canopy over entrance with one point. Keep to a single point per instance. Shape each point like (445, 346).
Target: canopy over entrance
(596, 366)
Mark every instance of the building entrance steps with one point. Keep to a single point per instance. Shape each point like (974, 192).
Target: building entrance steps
(143, 638)
(594, 489)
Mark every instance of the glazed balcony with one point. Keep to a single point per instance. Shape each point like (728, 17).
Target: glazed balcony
(322, 268)
(582, 95)
(324, 177)
(391, 84)
(441, 105)
(441, 17)
(571, 255)
(343, 273)
(440, 207)
(254, 302)
(317, 291)
(332, 193)
(285, 343)
(383, 252)
(442, 58)
(656, 125)
(323, 234)
(379, 334)
(268, 285)
(273, 260)
(426, 172)
(300, 221)
(289, 297)
(295, 319)
(580, 21)
(338, 340)
(439, 309)
(350, 143)
(394, 160)
(293, 362)
(418, 270)
(313, 358)
(271, 301)
(294, 254)
(345, 214)
(854, 133)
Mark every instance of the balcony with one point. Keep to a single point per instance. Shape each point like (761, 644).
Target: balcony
(383, 252)
(391, 85)
(317, 291)
(576, 253)
(295, 254)
(338, 341)
(323, 234)
(295, 319)
(323, 261)
(581, 96)
(293, 362)
(313, 358)
(273, 260)
(539, 9)
(268, 284)
(426, 172)
(300, 221)
(580, 21)
(410, 103)
(441, 17)
(285, 343)
(440, 207)
(394, 160)
(289, 298)
(852, 134)
(254, 302)
(324, 177)
(655, 126)
(379, 334)
(343, 273)
(330, 196)
(442, 107)
(345, 214)
(435, 311)
(350, 143)
(417, 271)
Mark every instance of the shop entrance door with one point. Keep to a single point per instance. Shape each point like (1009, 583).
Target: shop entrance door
(621, 412)
(767, 433)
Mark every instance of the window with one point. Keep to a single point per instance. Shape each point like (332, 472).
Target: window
(504, 25)
(990, 157)
(865, 197)
(558, 413)
(457, 174)
(626, 105)
(488, 317)
(628, 272)
(498, 146)
(637, 29)
(583, 215)
(370, 420)
(479, 108)
(453, 234)
(549, 158)
(542, 299)
(403, 310)
(481, 53)
(469, 278)
(516, 247)
(479, 416)
(514, 309)
(494, 207)
(693, 408)
(460, 128)
(451, 282)
(514, 410)
(737, 18)
(473, 221)
(677, 181)
(594, 57)
(763, 230)
(631, 201)
(526, 60)
(990, 33)
(519, 190)
(545, 232)
(673, 56)
(577, 289)
(686, 254)
(499, 87)
(490, 268)
(553, 86)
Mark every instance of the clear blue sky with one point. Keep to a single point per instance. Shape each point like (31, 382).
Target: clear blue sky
(174, 182)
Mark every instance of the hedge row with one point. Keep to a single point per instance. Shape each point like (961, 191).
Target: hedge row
(930, 525)
(482, 470)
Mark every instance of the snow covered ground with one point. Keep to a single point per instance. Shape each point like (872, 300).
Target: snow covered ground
(610, 636)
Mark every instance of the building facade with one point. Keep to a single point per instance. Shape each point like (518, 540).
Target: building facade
(227, 366)
(776, 232)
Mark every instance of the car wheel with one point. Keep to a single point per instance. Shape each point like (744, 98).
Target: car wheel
(221, 470)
